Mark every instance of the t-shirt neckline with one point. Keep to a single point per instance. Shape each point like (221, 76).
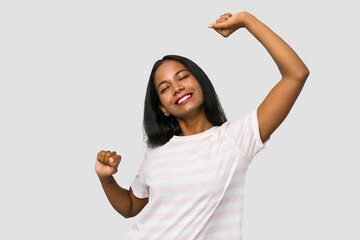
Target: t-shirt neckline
(195, 136)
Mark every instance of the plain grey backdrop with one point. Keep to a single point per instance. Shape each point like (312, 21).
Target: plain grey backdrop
(73, 78)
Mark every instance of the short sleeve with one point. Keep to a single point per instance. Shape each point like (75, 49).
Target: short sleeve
(139, 186)
(245, 134)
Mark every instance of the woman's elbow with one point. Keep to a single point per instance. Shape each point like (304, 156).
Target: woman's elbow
(302, 74)
(306, 73)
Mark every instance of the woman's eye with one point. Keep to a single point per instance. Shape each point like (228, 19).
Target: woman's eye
(183, 77)
(164, 89)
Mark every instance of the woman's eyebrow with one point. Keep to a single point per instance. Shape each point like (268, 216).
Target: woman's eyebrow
(179, 71)
(174, 75)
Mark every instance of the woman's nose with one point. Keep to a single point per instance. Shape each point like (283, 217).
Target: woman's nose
(177, 88)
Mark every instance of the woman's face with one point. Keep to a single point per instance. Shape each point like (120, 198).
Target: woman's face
(179, 91)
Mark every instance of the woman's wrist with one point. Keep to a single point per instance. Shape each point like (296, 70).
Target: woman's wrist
(245, 18)
(106, 179)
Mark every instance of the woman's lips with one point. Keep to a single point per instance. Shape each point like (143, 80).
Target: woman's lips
(183, 99)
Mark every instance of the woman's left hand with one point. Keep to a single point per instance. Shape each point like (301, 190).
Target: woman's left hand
(227, 23)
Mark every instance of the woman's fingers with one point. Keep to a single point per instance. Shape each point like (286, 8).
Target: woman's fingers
(225, 16)
(220, 20)
(109, 154)
(99, 155)
(103, 156)
(114, 161)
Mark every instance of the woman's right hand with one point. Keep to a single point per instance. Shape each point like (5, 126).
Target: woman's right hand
(107, 163)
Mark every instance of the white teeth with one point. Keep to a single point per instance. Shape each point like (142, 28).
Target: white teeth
(182, 99)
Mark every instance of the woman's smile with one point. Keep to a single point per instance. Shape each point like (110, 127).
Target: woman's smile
(183, 99)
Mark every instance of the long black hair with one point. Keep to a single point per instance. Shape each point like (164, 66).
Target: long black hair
(159, 128)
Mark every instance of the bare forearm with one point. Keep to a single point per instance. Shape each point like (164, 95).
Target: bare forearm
(118, 197)
(288, 62)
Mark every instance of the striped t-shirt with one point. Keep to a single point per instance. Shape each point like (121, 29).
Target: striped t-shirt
(195, 184)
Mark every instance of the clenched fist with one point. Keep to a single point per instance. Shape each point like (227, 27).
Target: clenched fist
(107, 163)
(228, 23)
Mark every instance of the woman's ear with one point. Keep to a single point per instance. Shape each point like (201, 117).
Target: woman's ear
(166, 113)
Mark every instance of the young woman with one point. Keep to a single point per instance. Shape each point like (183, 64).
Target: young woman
(192, 176)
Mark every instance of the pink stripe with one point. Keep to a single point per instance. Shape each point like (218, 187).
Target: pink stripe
(209, 184)
(172, 163)
(192, 224)
(190, 200)
(187, 174)
(194, 211)
(155, 154)
(205, 185)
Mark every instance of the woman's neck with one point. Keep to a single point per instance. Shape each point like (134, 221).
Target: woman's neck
(194, 125)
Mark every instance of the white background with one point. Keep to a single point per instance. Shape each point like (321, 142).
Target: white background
(73, 77)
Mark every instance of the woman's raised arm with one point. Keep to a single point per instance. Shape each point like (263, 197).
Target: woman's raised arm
(278, 103)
